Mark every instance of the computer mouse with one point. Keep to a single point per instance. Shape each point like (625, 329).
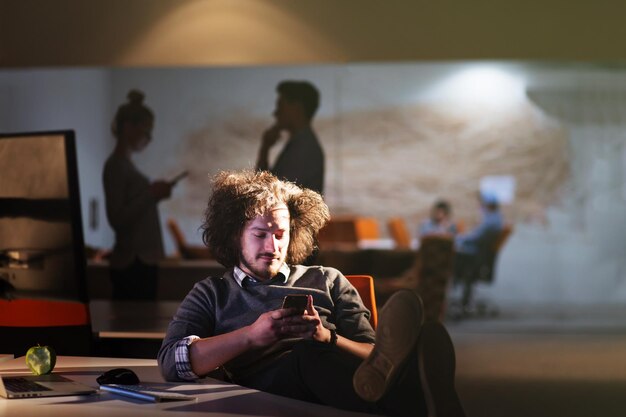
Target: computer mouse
(121, 376)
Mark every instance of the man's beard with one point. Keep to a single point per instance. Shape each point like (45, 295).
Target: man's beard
(267, 273)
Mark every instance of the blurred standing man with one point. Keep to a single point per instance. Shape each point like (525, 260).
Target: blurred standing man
(302, 159)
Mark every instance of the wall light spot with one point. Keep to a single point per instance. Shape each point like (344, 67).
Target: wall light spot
(480, 87)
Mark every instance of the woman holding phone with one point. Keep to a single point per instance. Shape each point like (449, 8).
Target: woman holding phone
(131, 204)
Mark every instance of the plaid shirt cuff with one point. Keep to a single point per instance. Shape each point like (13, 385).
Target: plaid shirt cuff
(183, 364)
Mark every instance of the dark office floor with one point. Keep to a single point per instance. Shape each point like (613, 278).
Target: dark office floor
(536, 361)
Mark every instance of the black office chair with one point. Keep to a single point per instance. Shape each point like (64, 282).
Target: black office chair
(43, 288)
(471, 270)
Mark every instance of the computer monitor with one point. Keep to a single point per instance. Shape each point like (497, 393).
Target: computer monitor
(41, 237)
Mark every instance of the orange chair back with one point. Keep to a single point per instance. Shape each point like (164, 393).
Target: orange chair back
(187, 251)
(347, 232)
(399, 232)
(338, 232)
(461, 227)
(364, 285)
(503, 237)
(42, 313)
(176, 233)
(366, 228)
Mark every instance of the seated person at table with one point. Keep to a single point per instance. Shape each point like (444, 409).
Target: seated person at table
(260, 228)
(486, 233)
(473, 246)
(439, 222)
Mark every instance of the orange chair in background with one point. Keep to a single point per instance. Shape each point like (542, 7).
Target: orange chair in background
(461, 227)
(507, 229)
(366, 228)
(185, 250)
(345, 232)
(339, 232)
(364, 285)
(399, 232)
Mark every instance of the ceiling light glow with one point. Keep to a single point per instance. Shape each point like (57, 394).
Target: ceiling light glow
(480, 87)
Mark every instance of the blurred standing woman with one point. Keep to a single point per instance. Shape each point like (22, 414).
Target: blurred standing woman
(131, 204)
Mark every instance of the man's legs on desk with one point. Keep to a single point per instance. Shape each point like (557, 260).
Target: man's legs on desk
(409, 373)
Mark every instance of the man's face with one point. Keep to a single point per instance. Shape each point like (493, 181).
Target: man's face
(264, 243)
(285, 112)
(440, 215)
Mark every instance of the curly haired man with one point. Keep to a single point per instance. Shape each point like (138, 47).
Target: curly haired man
(261, 228)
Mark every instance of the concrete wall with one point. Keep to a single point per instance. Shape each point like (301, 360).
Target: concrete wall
(78, 99)
(395, 138)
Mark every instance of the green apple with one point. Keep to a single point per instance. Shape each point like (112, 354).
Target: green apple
(41, 359)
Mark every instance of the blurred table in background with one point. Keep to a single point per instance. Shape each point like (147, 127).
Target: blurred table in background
(348, 231)
(133, 329)
(131, 319)
(176, 277)
(379, 263)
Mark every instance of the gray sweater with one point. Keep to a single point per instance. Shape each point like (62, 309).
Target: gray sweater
(218, 305)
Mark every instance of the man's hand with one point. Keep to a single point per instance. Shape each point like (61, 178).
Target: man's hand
(307, 326)
(270, 137)
(268, 328)
(285, 323)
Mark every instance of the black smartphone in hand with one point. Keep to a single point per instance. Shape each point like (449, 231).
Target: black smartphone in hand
(297, 301)
(179, 177)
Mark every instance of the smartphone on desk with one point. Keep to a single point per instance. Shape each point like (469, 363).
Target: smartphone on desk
(296, 301)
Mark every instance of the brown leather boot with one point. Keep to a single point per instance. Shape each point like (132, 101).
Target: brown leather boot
(437, 362)
(397, 334)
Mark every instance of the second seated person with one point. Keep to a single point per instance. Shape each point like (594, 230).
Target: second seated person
(473, 247)
(302, 159)
(131, 204)
(261, 228)
(439, 222)
(486, 233)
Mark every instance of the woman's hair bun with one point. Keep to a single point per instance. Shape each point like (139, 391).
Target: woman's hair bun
(135, 96)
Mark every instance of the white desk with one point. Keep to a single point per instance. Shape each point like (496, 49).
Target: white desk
(215, 398)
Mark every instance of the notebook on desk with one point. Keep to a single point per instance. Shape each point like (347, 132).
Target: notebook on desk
(31, 386)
